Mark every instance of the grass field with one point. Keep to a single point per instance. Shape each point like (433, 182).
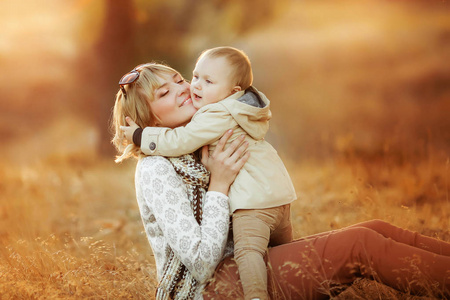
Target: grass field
(70, 226)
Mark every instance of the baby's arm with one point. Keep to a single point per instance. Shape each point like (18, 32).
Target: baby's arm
(204, 129)
(129, 131)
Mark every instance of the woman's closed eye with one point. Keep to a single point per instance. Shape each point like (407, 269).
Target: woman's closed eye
(163, 93)
(181, 81)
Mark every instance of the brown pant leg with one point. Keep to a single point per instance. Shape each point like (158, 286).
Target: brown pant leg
(312, 268)
(400, 235)
(322, 263)
(404, 236)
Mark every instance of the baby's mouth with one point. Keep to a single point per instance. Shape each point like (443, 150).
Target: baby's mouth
(196, 97)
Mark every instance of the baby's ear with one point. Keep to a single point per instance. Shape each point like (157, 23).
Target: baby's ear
(237, 89)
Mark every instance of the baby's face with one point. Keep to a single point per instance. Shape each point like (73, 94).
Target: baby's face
(211, 81)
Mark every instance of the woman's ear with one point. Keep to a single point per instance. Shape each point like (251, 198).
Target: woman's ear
(155, 123)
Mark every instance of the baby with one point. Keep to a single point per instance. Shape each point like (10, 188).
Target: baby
(260, 197)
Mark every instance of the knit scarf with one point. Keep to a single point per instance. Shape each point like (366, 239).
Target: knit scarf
(177, 282)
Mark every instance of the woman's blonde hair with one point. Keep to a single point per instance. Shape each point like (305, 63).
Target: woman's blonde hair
(239, 62)
(136, 106)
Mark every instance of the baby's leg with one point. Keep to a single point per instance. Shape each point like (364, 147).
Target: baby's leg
(251, 233)
(282, 232)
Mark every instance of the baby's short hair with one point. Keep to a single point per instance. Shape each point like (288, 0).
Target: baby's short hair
(239, 61)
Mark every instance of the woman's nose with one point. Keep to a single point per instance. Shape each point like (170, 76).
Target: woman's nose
(184, 90)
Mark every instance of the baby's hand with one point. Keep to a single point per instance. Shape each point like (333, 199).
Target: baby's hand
(129, 130)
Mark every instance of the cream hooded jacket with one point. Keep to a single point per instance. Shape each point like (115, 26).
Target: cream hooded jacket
(263, 182)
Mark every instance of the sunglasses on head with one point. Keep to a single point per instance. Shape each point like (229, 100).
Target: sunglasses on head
(128, 78)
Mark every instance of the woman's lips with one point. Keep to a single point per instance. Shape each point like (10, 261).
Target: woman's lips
(187, 101)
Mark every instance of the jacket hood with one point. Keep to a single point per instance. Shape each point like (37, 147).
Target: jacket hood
(251, 110)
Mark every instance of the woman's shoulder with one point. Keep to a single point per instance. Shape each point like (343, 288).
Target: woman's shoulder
(154, 164)
(153, 159)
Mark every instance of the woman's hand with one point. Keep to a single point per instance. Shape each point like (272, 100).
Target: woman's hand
(129, 130)
(225, 164)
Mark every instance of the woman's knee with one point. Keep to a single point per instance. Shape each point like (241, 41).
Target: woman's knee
(379, 223)
(375, 224)
(357, 237)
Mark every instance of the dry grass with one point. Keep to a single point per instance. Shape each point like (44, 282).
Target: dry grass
(339, 192)
(70, 227)
(342, 192)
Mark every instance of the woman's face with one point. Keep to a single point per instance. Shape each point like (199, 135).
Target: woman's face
(172, 104)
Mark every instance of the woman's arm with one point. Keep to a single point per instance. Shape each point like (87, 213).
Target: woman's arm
(199, 247)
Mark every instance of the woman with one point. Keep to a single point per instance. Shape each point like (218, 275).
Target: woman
(188, 227)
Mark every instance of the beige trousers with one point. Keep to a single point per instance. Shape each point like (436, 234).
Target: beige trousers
(253, 231)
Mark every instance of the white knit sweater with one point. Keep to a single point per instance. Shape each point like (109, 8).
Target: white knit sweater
(169, 221)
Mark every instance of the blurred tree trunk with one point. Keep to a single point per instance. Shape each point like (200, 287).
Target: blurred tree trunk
(111, 57)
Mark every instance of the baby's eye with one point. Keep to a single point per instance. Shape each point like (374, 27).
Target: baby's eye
(208, 81)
